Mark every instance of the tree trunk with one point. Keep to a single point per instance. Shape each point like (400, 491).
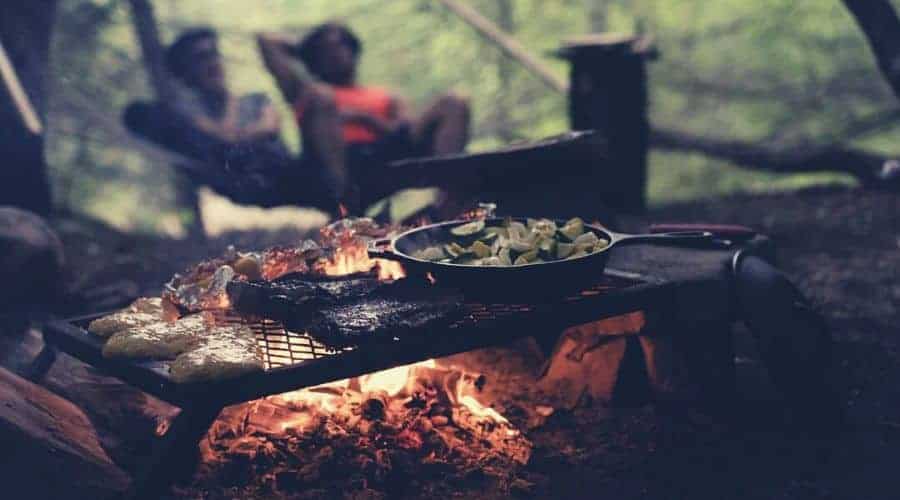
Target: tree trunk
(25, 30)
(879, 22)
(597, 13)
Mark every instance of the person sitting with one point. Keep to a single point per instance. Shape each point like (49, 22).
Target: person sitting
(234, 139)
(352, 130)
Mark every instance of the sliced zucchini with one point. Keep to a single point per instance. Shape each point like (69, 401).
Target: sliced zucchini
(571, 231)
(430, 253)
(564, 250)
(468, 229)
(505, 257)
(517, 231)
(491, 261)
(588, 238)
(480, 249)
(526, 258)
(575, 221)
(454, 249)
(489, 237)
(500, 231)
(545, 228)
(521, 246)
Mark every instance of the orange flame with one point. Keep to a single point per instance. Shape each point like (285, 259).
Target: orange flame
(395, 384)
(353, 257)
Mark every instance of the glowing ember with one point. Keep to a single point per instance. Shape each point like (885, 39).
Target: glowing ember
(430, 412)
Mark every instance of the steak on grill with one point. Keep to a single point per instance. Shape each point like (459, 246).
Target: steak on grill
(294, 297)
(346, 312)
(382, 315)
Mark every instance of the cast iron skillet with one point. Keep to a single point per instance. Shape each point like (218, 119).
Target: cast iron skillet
(556, 278)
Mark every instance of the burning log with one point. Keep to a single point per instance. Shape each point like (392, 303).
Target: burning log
(380, 431)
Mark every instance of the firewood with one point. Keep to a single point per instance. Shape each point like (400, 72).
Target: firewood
(46, 436)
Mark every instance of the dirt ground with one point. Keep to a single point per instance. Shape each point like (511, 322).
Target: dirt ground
(842, 247)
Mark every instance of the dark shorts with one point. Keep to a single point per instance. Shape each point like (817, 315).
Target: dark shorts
(397, 145)
(367, 162)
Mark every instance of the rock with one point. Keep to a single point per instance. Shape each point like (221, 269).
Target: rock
(31, 258)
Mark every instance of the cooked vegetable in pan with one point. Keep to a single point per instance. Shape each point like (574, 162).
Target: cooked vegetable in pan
(514, 243)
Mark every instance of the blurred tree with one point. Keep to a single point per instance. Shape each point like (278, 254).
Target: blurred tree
(879, 22)
(25, 30)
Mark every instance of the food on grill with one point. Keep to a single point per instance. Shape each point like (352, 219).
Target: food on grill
(295, 296)
(202, 287)
(158, 340)
(123, 320)
(149, 305)
(381, 315)
(225, 352)
(143, 311)
(344, 312)
(514, 243)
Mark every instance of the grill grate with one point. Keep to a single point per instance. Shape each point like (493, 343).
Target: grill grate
(281, 347)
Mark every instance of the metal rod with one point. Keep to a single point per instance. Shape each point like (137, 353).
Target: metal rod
(19, 98)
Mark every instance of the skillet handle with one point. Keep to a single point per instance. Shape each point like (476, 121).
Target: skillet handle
(682, 237)
(382, 248)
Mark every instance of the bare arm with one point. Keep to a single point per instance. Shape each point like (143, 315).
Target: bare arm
(275, 50)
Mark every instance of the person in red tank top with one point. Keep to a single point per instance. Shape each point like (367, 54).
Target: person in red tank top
(351, 131)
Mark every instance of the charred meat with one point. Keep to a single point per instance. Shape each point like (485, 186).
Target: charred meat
(380, 317)
(295, 297)
(345, 312)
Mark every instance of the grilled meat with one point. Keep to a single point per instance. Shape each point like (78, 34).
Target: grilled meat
(294, 297)
(339, 313)
(379, 317)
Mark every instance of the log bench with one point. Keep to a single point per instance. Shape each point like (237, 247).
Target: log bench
(51, 449)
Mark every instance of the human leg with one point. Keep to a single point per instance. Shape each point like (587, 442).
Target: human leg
(444, 126)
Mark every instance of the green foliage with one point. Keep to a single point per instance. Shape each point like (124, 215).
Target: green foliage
(780, 72)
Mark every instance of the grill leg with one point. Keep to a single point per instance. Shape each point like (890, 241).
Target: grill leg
(41, 364)
(176, 454)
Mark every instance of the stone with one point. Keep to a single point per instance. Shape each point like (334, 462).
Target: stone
(31, 259)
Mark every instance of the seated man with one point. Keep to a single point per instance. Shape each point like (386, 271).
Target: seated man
(234, 139)
(352, 130)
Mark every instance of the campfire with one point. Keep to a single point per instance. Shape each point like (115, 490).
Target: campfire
(322, 311)
(374, 429)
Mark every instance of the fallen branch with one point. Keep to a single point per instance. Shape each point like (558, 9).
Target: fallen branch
(861, 164)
